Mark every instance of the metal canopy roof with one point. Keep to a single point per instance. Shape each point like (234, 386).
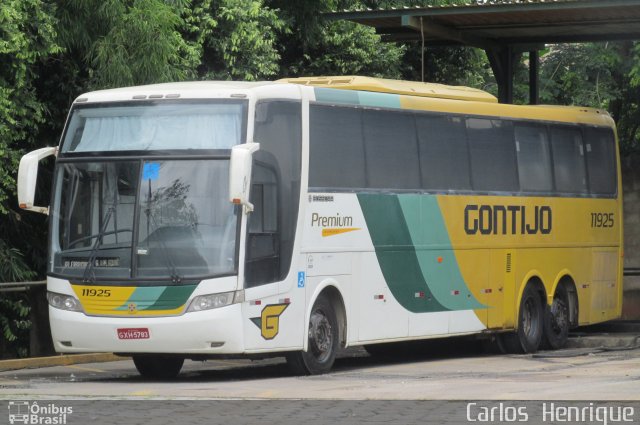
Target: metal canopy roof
(491, 25)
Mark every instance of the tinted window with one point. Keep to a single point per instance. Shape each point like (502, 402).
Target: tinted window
(336, 149)
(534, 158)
(493, 160)
(278, 129)
(568, 160)
(601, 161)
(391, 150)
(263, 253)
(264, 196)
(444, 157)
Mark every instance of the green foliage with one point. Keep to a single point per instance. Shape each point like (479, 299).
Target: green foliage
(599, 75)
(12, 265)
(123, 43)
(27, 36)
(344, 48)
(458, 66)
(242, 46)
(313, 45)
(579, 74)
(14, 310)
(14, 325)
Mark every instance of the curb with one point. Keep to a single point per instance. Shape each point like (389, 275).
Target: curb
(61, 360)
(606, 341)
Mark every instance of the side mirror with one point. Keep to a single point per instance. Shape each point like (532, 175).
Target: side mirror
(27, 177)
(240, 174)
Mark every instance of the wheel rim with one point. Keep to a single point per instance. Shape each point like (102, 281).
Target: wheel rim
(529, 318)
(320, 336)
(559, 316)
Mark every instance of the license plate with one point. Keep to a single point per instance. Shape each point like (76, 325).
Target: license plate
(133, 333)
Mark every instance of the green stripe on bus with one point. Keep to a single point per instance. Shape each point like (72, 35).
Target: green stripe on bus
(143, 297)
(435, 253)
(346, 97)
(396, 253)
(350, 97)
(379, 100)
(159, 297)
(173, 297)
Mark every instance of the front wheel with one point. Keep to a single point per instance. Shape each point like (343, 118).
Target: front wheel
(322, 344)
(556, 320)
(526, 339)
(158, 367)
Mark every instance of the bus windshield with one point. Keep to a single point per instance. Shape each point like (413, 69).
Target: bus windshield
(143, 219)
(153, 126)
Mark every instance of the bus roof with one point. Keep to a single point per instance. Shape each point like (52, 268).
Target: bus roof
(382, 85)
(189, 89)
(442, 98)
(405, 94)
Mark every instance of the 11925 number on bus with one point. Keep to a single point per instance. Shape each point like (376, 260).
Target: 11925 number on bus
(602, 219)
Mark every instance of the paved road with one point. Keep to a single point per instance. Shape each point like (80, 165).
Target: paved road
(410, 389)
(445, 374)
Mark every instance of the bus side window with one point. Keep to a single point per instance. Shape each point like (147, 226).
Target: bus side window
(263, 250)
(493, 155)
(534, 158)
(391, 150)
(444, 155)
(336, 150)
(601, 161)
(568, 160)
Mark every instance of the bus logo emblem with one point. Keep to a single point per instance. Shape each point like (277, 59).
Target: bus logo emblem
(133, 308)
(269, 320)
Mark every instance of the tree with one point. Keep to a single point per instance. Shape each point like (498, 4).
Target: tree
(27, 37)
(122, 43)
(242, 45)
(312, 45)
(598, 75)
(14, 308)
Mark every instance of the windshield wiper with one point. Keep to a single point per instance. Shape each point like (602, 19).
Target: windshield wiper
(89, 275)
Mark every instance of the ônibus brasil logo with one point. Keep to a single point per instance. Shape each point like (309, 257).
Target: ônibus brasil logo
(31, 413)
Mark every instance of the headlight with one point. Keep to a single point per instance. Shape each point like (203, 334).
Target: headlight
(63, 302)
(208, 302)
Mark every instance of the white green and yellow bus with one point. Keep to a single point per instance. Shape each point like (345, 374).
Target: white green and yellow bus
(204, 219)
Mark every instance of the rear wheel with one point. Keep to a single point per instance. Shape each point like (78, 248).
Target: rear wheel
(526, 339)
(556, 320)
(158, 367)
(322, 344)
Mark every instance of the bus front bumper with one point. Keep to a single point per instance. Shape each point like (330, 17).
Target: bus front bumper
(216, 331)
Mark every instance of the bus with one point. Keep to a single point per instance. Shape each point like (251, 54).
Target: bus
(292, 218)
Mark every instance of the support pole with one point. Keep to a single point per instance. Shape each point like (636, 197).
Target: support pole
(534, 77)
(502, 61)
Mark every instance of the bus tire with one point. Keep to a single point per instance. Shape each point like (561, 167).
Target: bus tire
(158, 367)
(556, 320)
(324, 338)
(527, 338)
